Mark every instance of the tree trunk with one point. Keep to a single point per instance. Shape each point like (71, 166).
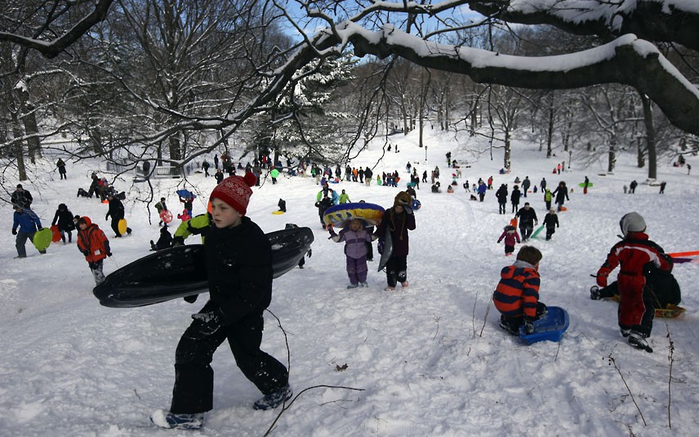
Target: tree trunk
(549, 131)
(650, 137)
(612, 155)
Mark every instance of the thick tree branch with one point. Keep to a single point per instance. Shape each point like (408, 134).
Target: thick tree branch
(53, 48)
(627, 60)
(652, 20)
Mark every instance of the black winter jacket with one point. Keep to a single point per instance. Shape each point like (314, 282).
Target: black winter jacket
(239, 266)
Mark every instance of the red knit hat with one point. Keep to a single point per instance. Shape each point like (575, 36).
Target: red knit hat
(235, 191)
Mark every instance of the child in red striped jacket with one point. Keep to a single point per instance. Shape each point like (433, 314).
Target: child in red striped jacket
(517, 293)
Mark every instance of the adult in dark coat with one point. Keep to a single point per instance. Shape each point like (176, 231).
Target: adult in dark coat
(116, 212)
(501, 194)
(514, 198)
(561, 193)
(64, 220)
(527, 220)
(22, 197)
(526, 183)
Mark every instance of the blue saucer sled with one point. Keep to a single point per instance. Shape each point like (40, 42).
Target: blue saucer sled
(550, 327)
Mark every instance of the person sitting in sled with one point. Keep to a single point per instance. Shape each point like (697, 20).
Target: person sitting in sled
(356, 238)
(517, 293)
(164, 242)
(632, 255)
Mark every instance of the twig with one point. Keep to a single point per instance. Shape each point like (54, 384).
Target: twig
(613, 361)
(485, 318)
(287, 406)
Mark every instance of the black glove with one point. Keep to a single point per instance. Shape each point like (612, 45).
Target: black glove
(85, 252)
(177, 241)
(310, 253)
(106, 217)
(14, 232)
(210, 321)
(41, 228)
(408, 210)
(191, 299)
(528, 327)
(109, 253)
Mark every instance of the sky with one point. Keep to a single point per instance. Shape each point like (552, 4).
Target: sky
(428, 360)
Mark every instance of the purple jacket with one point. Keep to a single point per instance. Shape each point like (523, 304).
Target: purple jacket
(355, 242)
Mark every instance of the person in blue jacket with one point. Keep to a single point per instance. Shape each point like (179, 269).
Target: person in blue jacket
(24, 226)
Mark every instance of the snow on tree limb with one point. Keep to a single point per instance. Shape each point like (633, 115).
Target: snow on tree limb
(626, 60)
(53, 48)
(652, 20)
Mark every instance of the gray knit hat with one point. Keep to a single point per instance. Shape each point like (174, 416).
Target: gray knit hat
(632, 222)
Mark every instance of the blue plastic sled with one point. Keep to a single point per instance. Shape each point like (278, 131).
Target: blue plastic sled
(549, 327)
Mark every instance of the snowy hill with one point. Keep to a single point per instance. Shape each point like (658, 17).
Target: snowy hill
(426, 361)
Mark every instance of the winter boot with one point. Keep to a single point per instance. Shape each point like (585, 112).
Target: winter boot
(594, 293)
(168, 420)
(273, 400)
(352, 286)
(363, 284)
(638, 340)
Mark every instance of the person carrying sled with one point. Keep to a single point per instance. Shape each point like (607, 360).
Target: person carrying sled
(355, 237)
(116, 212)
(632, 255)
(239, 267)
(94, 245)
(160, 207)
(551, 223)
(63, 219)
(516, 296)
(397, 221)
(527, 220)
(561, 193)
(25, 224)
(510, 235)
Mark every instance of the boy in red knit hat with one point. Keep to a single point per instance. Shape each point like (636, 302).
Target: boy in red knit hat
(239, 265)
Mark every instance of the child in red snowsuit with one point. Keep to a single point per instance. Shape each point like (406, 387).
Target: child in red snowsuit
(633, 254)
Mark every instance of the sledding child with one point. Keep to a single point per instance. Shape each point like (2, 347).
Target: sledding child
(551, 222)
(510, 235)
(94, 245)
(63, 219)
(160, 207)
(397, 221)
(355, 238)
(632, 255)
(238, 259)
(517, 293)
(164, 242)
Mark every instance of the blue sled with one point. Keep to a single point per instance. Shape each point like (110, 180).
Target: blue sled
(549, 327)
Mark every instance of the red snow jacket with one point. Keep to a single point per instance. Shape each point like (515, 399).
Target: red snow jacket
(92, 242)
(633, 253)
(517, 293)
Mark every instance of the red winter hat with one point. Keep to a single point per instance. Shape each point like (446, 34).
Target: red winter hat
(235, 191)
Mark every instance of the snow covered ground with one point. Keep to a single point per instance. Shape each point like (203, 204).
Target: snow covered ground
(425, 361)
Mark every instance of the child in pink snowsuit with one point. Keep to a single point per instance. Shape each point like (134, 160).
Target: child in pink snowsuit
(355, 238)
(510, 235)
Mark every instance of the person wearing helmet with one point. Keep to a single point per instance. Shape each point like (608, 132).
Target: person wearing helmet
(633, 254)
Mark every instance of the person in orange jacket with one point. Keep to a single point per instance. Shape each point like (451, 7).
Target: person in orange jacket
(93, 243)
(517, 293)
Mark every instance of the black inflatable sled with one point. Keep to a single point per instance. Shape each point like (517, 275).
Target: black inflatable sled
(181, 271)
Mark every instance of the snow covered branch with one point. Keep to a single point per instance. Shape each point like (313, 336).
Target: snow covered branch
(653, 20)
